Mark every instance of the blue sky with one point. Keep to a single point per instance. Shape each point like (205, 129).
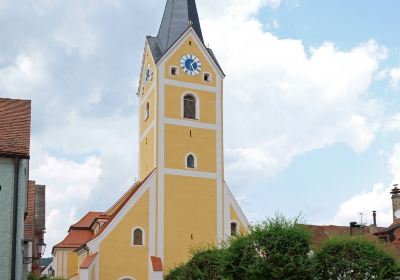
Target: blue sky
(312, 123)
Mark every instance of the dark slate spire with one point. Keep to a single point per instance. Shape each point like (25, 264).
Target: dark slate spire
(179, 15)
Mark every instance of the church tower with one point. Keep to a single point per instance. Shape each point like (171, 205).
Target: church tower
(181, 200)
(181, 133)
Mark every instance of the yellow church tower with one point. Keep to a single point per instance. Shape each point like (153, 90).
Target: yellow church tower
(181, 200)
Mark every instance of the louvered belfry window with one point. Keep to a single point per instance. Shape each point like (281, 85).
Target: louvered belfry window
(189, 104)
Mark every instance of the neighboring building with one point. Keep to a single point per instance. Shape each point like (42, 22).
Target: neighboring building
(390, 235)
(15, 123)
(181, 200)
(35, 226)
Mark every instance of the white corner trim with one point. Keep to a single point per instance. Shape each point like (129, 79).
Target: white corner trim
(236, 206)
(194, 86)
(147, 94)
(95, 243)
(190, 123)
(188, 173)
(143, 237)
(182, 39)
(147, 131)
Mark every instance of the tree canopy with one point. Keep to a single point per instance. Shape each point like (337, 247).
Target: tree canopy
(279, 249)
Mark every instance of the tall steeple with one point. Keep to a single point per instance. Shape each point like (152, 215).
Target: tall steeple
(179, 15)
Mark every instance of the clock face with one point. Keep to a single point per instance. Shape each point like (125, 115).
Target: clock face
(190, 64)
(147, 74)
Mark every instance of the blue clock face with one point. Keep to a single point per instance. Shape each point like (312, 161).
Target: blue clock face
(190, 64)
(147, 75)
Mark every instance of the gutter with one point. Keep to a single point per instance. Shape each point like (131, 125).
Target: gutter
(17, 162)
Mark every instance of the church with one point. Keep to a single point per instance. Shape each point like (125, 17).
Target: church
(181, 200)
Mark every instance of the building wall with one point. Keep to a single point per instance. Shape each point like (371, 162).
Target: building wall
(21, 272)
(6, 210)
(118, 257)
(190, 216)
(6, 207)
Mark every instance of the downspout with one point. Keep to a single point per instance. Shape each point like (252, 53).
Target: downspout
(15, 218)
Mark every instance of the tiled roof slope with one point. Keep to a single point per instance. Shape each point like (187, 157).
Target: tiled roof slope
(88, 261)
(15, 127)
(81, 232)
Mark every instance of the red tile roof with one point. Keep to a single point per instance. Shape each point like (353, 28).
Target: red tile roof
(88, 261)
(87, 221)
(15, 127)
(157, 264)
(81, 233)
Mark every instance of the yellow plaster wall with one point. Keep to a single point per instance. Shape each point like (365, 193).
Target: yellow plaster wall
(117, 256)
(144, 124)
(148, 59)
(173, 103)
(147, 163)
(235, 217)
(175, 58)
(72, 264)
(59, 260)
(178, 144)
(190, 209)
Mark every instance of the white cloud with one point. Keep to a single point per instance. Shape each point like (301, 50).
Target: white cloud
(394, 75)
(393, 123)
(68, 180)
(76, 34)
(27, 74)
(377, 199)
(69, 185)
(394, 162)
(287, 100)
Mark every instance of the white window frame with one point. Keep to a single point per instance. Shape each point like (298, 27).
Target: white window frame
(209, 77)
(195, 161)
(176, 72)
(196, 97)
(126, 277)
(143, 237)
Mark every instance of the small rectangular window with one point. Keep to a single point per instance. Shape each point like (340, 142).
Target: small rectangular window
(174, 71)
(207, 77)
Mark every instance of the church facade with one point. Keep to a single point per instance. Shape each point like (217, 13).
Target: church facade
(181, 200)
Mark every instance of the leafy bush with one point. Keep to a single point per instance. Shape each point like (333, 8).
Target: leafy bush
(354, 259)
(204, 265)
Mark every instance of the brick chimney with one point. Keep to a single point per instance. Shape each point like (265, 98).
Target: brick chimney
(374, 227)
(396, 203)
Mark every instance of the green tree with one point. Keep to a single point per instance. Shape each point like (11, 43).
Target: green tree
(354, 259)
(204, 265)
(276, 249)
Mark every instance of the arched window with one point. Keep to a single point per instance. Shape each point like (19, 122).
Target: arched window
(138, 238)
(190, 161)
(147, 113)
(189, 107)
(234, 229)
